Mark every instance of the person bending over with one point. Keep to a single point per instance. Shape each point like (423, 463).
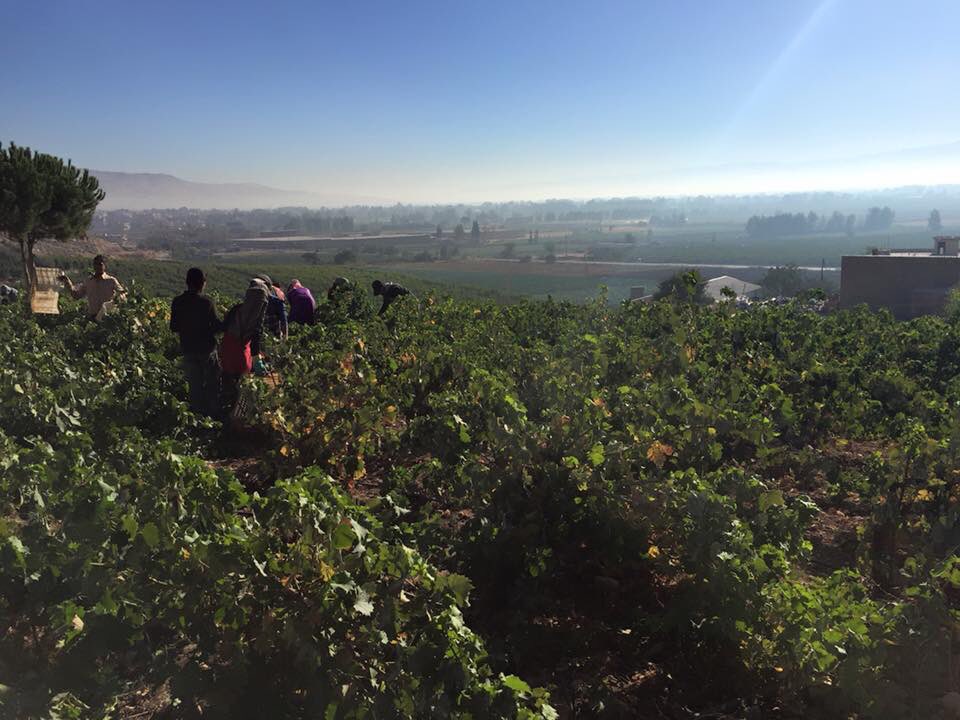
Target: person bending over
(242, 335)
(276, 314)
(389, 292)
(302, 304)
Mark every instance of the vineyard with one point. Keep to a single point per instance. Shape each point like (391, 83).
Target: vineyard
(165, 277)
(466, 509)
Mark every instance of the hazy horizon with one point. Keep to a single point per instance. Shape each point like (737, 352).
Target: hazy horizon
(778, 180)
(431, 103)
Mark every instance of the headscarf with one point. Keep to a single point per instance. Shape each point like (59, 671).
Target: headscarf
(340, 285)
(273, 290)
(248, 316)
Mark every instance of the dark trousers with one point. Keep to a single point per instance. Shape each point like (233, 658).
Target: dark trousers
(203, 377)
(230, 394)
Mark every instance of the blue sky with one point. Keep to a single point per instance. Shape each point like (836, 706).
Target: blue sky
(465, 101)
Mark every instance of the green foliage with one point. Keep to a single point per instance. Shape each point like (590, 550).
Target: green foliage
(119, 543)
(684, 286)
(952, 308)
(655, 466)
(784, 281)
(43, 197)
(345, 257)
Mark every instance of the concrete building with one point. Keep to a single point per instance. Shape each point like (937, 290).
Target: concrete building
(908, 282)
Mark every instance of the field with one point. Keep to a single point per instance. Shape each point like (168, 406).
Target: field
(480, 510)
(571, 281)
(618, 256)
(166, 277)
(719, 243)
(489, 278)
(640, 256)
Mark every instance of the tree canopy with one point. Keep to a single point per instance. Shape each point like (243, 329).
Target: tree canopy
(761, 226)
(878, 218)
(684, 286)
(783, 281)
(43, 197)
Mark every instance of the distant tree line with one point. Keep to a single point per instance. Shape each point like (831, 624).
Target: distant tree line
(782, 224)
(316, 223)
(674, 219)
(581, 215)
(185, 225)
(763, 226)
(878, 218)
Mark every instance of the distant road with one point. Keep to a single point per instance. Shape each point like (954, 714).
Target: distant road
(641, 265)
(349, 237)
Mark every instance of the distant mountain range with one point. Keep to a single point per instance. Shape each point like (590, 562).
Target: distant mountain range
(936, 168)
(144, 191)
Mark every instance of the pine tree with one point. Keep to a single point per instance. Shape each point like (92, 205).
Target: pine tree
(41, 197)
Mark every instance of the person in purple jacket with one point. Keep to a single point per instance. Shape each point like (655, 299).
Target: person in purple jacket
(302, 304)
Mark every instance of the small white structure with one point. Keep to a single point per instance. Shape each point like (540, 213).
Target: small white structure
(743, 289)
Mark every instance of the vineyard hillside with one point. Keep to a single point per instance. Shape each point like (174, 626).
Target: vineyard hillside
(483, 510)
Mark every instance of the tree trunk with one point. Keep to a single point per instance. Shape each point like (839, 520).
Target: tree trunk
(29, 270)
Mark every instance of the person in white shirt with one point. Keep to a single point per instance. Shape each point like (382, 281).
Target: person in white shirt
(99, 289)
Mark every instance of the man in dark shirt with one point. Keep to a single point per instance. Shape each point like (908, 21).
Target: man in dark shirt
(195, 319)
(389, 291)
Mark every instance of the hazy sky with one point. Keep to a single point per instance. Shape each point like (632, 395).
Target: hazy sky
(458, 100)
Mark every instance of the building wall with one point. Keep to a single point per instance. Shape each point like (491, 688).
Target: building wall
(907, 286)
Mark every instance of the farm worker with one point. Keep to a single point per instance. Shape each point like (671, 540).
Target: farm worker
(243, 333)
(389, 291)
(343, 300)
(194, 318)
(340, 285)
(8, 294)
(100, 290)
(276, 316)
(302, 304)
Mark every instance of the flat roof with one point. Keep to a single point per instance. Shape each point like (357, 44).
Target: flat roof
(918, 254)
